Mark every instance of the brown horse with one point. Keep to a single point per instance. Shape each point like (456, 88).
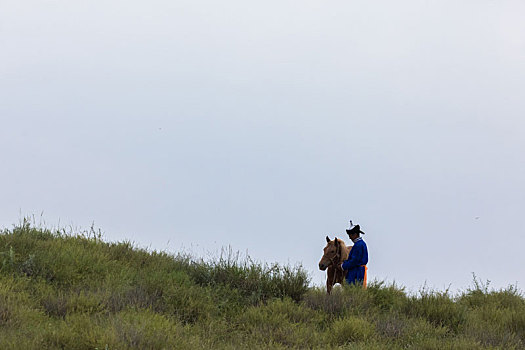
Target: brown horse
(335, 253)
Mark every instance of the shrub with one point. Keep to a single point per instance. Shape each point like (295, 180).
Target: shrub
(480, 295)
(343, 300)
(420, 329)
(144, 329)
(256, 281)
(387, 298)
(55, 305)
(446, 344)
(350, 329)
(438, 308)
(16, 304)
(282, 321)
(515, 321)
(495, 317)
(391, 325)
(496, 327)
(76, 331)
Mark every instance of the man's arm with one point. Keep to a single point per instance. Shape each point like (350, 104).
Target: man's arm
(355, 256)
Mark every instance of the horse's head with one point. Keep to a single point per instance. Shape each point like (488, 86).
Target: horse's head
(332, 254)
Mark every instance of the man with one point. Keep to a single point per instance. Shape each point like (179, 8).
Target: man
(355, 266)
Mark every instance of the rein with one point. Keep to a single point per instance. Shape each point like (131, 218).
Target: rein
(337, 257)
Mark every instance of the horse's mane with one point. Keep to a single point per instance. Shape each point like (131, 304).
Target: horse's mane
(344, 250)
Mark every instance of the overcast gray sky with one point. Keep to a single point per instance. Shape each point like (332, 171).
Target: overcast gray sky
(267, 125)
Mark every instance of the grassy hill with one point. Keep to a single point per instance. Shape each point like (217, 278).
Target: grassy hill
(63, 291)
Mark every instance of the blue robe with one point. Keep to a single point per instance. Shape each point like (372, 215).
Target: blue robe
(353, 265)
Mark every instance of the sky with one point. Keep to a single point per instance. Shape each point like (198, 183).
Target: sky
(192, 126)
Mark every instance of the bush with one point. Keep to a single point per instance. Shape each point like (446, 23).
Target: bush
(345, 300)
(387, 298)
(437, 308)
(391, 325)
(447, 344)
(284, 321)
(496, 317)
(480, 295)
(350, 329)
(496, 327)
(418, 329)
(256, 281)
(144, 329)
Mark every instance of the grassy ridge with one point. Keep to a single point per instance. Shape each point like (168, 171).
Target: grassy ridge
(61, 291)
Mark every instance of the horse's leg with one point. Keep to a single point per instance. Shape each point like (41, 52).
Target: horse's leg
(340, 275)
(329, 279)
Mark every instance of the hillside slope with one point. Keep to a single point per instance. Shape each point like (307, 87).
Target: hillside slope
(60, 291)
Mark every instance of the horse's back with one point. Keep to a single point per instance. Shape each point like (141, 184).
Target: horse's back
(345, 251)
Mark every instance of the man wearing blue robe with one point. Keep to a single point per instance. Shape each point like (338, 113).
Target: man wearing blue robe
(355, 266)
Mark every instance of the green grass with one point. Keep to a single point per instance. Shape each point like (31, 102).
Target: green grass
(76, 291)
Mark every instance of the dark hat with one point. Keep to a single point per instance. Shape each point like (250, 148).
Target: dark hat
(354, 229)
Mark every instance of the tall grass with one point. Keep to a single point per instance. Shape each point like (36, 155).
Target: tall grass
(66, 290)
(255, 281)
